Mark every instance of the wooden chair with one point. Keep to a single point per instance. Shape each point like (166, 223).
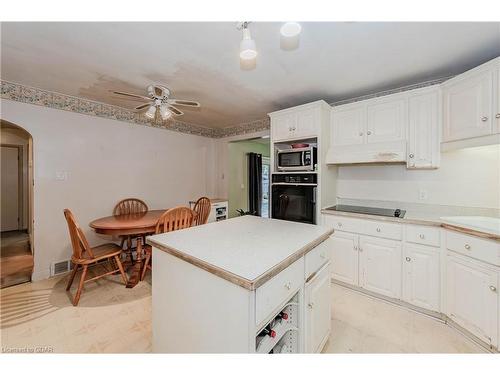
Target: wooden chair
(84, 256)
(174, 219)
(202, 208)
(125, 207)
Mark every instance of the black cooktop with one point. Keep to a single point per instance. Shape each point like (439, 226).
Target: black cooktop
(391, 212)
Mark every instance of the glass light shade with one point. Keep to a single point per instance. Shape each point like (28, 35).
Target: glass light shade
(165, 112)
(290, 29)
(248, 50)
(151, 112)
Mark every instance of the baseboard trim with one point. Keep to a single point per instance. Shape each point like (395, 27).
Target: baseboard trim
(443, 318)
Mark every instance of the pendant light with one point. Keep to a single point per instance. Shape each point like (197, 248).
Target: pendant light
(248, 50)
(290, 36)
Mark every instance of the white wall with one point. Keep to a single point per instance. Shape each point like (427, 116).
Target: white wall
(20, 138)
(105, 161)
(467, 177)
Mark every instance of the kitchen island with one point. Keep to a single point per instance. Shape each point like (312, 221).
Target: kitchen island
(243, 285)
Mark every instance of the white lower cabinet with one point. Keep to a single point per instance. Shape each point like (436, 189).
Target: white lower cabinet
(421, 281)
(318, 310)
(472, 297)
(380, 266)
(345, 257)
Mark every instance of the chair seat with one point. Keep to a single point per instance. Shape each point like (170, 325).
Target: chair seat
(100, 252)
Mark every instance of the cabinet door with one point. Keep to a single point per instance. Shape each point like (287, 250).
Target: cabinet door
(283, 126)
(497, 101)
(421, 276)
(472, 297)
(348, 125)
(345, 257)
(380, 266)
(423, 137)
(318, 310)
(467, 107)
(386, 120)
(307, 123)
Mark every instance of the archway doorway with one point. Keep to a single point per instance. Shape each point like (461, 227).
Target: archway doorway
(16, 222)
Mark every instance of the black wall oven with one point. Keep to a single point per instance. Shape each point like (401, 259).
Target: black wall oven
(294, 197)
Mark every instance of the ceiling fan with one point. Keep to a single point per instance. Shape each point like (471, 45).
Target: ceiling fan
(159, 102)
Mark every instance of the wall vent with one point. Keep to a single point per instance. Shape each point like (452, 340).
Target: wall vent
(60, 267)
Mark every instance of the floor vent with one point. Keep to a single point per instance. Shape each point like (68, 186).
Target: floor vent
(60, 267)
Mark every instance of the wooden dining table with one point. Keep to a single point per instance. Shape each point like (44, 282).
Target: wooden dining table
(138, 224)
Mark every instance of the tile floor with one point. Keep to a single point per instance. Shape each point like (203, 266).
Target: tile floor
(112, 319)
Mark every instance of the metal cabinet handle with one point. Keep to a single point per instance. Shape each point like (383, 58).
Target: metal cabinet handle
(369, 132)
(360, 134)
(339, 224)
(467, 246)
(360, 249)
(378, 230)
(288, 285)
(355, 248)
(484, 119)
(493, 288)
(322, 255)
(422, 236)
(408, 259)
(310, 305)
(411, 156)
(497, 115)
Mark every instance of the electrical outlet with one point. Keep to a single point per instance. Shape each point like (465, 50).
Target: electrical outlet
(423, 195)
(61, 175)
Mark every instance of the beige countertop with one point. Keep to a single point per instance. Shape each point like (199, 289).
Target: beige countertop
(246, 250)
(425, 218)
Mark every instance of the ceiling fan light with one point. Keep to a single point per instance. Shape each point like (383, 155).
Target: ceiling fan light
(248, 50)
(151, 112)
(165, 112)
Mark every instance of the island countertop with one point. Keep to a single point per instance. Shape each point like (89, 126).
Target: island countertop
(246, 251)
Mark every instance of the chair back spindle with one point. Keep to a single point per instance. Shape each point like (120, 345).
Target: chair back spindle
(78, 240)
(202, 209)
(130, 206)
(175, 219)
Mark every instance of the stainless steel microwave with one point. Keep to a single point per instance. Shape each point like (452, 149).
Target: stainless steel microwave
(296, 159)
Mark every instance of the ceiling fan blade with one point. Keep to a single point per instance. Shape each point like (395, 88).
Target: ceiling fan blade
(175, 111)
(142, 106)
(187, 103)
(131, 96)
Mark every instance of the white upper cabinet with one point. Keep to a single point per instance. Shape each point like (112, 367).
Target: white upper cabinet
(424, 128)
(386, 120)
(472, 297)
(380, 265)
(421, 281)
(304, 121)
(471, 105)
(496, 95)
(349, 126)
(467, 107)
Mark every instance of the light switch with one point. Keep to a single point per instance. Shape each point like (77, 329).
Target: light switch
(61, 175)
(422, 194)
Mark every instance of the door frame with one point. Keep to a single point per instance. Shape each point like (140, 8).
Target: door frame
(20, 184)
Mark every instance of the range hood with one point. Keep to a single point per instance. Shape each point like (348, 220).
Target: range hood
(380, 152)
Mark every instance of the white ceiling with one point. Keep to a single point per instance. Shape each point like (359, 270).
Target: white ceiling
(200, 61)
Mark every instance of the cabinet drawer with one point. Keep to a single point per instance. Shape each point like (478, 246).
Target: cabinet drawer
(474, 247)
(342, 223)
(384, 230)
(422, 235)
(278, 290)
(317, 257)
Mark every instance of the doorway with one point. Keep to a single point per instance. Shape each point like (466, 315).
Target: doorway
(238, 184)
(16, 255)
